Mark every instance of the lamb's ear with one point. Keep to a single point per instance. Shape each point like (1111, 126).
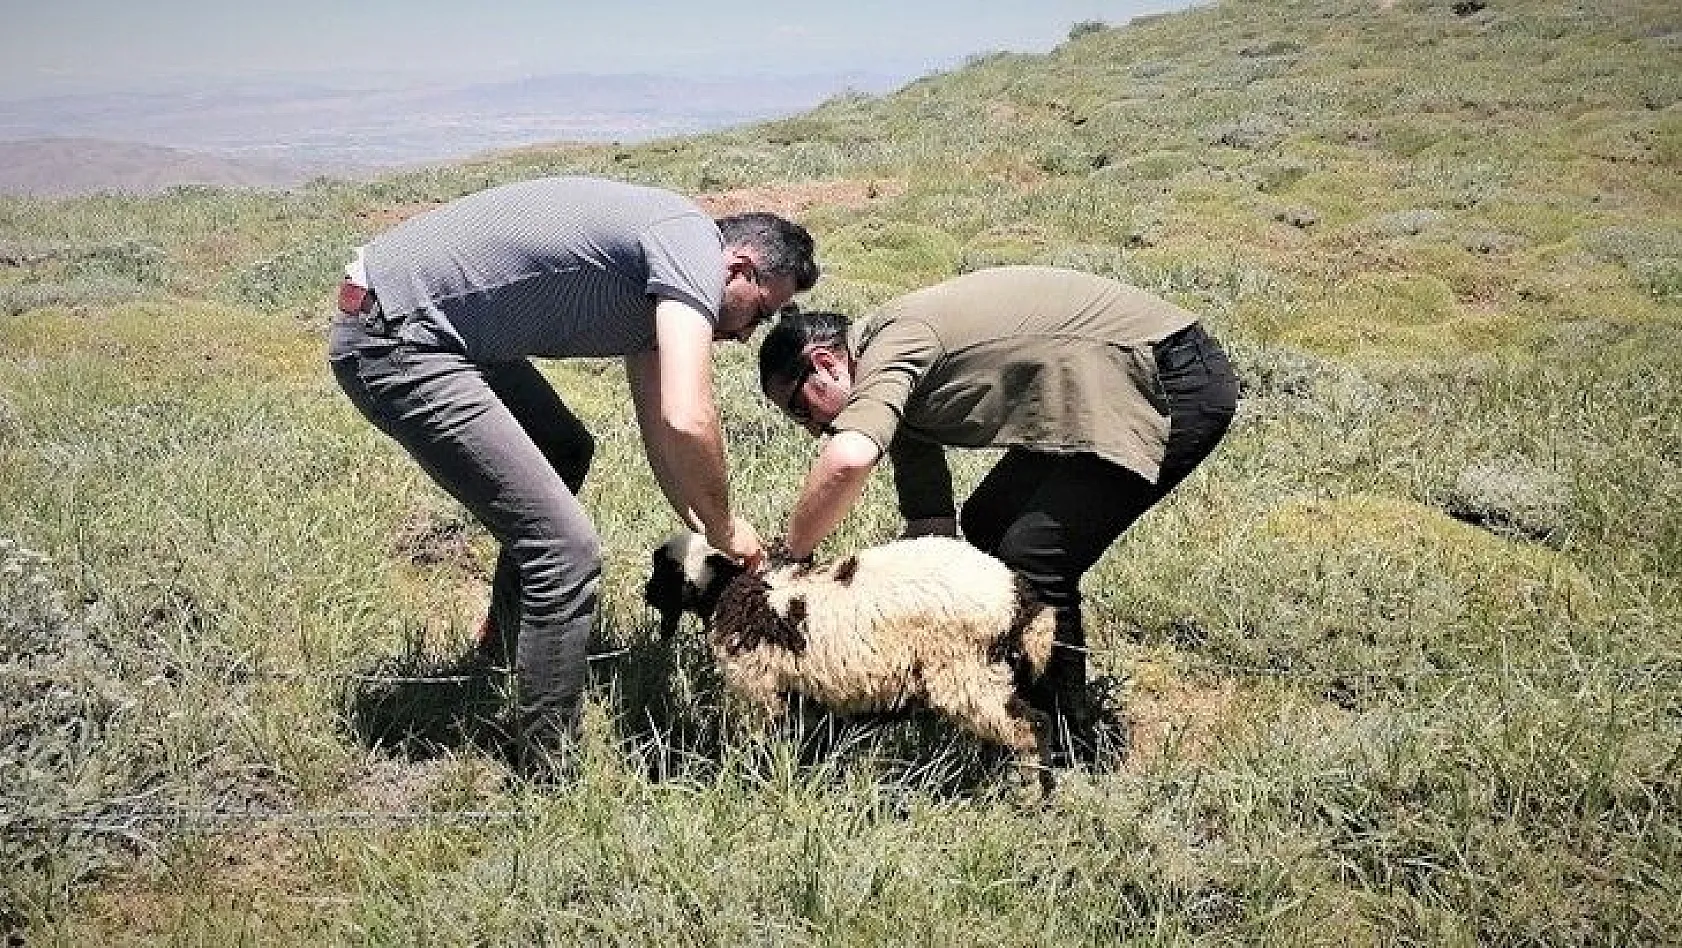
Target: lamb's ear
(665, 591)
(721, 570)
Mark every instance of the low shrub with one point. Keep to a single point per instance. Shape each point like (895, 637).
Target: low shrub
(1514, 496)
(139, 261)
(1275, 175)
(1156, 166)
(21, 298)
(1661, 278)
(1630, 246)
(1254, 132)
(1410, 223)
(1297, 215)
(1492, 242)
(1085, 27)
(302, 272)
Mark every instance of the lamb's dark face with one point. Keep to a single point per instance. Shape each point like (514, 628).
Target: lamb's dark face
(687, 576)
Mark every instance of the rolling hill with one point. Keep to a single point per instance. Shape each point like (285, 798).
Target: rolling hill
(60, 167)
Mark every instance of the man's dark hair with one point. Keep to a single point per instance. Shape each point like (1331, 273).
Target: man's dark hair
(783, 247)
(782, 356)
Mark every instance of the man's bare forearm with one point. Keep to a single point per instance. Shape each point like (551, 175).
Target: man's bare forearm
(832, 486)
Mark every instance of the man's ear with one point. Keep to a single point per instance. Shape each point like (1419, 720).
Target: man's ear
(737, 260)
(830, 363)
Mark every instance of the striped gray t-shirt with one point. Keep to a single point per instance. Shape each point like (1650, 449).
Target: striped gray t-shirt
(552, 267)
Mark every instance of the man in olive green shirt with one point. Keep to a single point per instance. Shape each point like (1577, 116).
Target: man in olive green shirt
(1105, 396)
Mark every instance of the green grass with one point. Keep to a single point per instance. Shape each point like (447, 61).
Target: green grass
(1443, 251)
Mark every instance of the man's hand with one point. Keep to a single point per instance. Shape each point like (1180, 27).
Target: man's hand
(741, 542)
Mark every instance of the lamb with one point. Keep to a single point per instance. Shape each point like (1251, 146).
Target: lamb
(930, 621)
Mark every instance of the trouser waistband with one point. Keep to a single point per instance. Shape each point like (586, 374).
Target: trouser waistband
(360, 303)
(1190, 337)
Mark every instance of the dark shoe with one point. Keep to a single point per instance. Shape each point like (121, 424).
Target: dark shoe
(552, 763)
(1088, 729)
(1073, 730)
(540, 744)
(543, 759)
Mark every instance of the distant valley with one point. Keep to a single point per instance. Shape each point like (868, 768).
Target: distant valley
(280, 135)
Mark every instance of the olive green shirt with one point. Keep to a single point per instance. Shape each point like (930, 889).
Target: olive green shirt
(1031, 357)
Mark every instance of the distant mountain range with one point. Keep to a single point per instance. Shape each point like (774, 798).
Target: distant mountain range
(281, 134)
(61, 167)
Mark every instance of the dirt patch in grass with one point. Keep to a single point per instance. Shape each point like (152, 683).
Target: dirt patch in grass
(261, 875)
(437, 538)
(1167, 715)
(397, 785)
(385, 218)
(791, 200)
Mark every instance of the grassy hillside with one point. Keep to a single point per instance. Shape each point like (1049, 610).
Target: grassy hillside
(1401, 664)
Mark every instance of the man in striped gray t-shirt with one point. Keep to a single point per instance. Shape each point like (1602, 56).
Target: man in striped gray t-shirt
(438, 318)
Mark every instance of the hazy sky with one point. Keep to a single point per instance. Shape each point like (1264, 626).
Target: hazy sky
(83, 45)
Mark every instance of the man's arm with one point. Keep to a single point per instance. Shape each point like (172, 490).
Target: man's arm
(671, 388)
(884, 377)
(924, 484)
(643, 371)
(832, 487)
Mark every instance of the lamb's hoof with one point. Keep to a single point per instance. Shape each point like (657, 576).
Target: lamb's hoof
(1029, 787)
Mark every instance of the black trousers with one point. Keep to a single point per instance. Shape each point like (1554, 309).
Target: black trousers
(1051, 516)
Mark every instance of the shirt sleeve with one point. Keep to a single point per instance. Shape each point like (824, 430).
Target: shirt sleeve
(685, 257)
(890, 362)
(921, 478)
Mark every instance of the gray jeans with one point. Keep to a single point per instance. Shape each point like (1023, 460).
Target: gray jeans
(501, 442)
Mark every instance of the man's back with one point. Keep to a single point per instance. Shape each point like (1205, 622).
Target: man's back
(1009, 306)
(1037, 357)
(551, 267)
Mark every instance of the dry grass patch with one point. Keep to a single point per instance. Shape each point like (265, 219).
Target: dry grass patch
(259, 882)
(399, 785)
(792, 200)
(384, 218)
(1169, 716)
(1414, 553)
(178, 339)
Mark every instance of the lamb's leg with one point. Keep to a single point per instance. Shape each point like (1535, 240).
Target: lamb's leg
(762, 694)
(983, 701)
(1033, 757)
